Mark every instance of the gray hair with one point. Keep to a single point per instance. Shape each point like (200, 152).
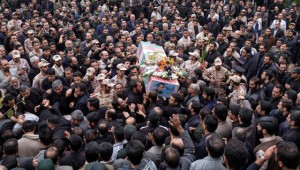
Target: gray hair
(195, 87)
(165, 25)
(57, 83)
(33, 59)
(77, 115)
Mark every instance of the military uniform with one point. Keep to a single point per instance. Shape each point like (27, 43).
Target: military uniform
(236, 93)
(59, 71)
(105, 98)
(37, 81)
(189, 67)
(95, 83)
(220, 76)
(123, 81)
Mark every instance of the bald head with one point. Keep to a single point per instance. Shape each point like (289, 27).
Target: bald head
(178, 143)
(130, 121)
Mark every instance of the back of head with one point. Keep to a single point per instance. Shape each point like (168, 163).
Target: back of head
(10, 161)
(75, 142)
(211, 123)
(236, 154)
(45, 135)
(235, 108)
(29, 126)
(128, 131)
(269, 124)
(52, 153)
(119, 133)
(54, 119)
(154, 119)
(287, 155)
(10, 146)
(91, 151)
(245, 116)
(239, 133)
(215, 145)
(178, 144)
(220, 111)
(139, 136)
(172, 157)
(106, 150)
(134, 151)
(159, 136)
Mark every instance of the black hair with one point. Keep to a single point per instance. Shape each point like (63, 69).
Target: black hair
(220, 111)
(295, 116)
(288, 154)
(134, 151)
(29, 125)
(236, 154)
(159, 136)
(211, 123)
(209, 92)
(215, 145)
(54, 119)
(246, 116)
(269, 74)
(94, 102)
(115, 102)
(133, 84)
(204, 112)
(106, 150)
(235, 108)
(270, 55)
(280, 87)
(75, 142)
(7, 97)
(287, 103)
(10, 146)
(137, 135)
(91, 135)
(269, 124)
(10, 161)
(91, 151)
(291, 94)
(50, 71)
(119, 133)
(265, 106)
(196, 106)
(177, 97)
(256, 80)
(224, 100)
(93, 117)
(81, 86)
(45, 135)
(77, 74)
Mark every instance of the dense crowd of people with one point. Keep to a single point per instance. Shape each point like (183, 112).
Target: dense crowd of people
(73, 95)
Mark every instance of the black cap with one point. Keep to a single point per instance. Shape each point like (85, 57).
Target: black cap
(238, 68)
(296, 70)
